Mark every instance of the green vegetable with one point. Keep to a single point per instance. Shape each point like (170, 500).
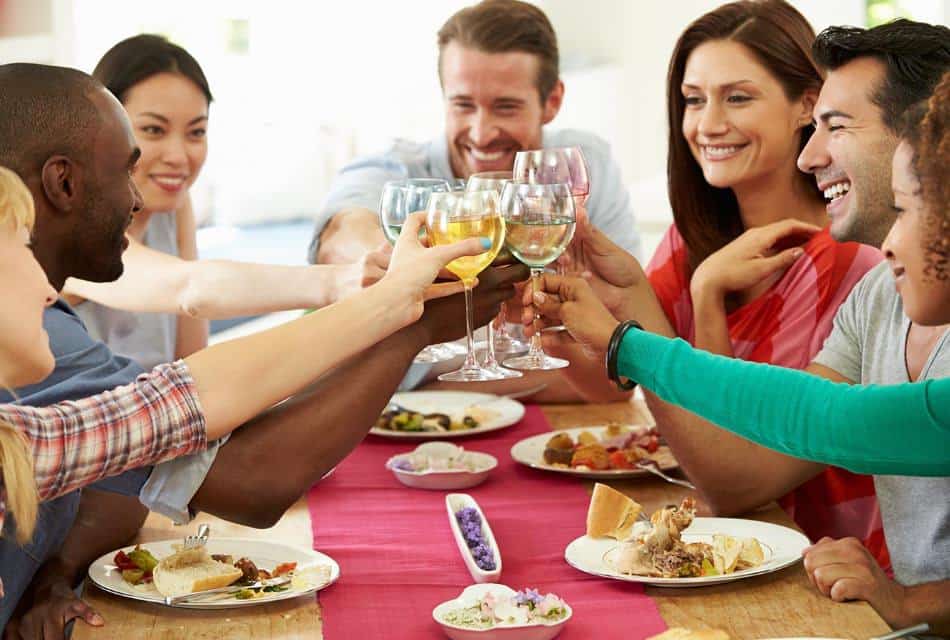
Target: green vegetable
(708, 568)
(143, 559)
(274, 588)
(133, 576)
(244, 594)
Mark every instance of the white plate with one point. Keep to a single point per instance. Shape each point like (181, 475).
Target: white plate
(538, 631)
(530, 451)
(444, 479)
(454, 403)
(782, 546)
(264, 554)
(454, 502)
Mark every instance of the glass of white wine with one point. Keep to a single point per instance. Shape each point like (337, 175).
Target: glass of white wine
(539, 224)
(455, 216)
(499, 339)
(398, 199)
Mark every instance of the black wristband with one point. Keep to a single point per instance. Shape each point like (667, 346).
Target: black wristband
(613, 349)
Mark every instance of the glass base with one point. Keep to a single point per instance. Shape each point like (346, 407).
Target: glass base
(502, 373)
(434, 354)
(479, 374)
(538, 362)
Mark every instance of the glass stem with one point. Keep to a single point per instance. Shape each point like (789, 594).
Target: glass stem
(470, 362)
(503, 334)
(536, 350)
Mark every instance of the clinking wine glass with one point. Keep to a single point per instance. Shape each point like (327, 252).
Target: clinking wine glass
(499, 339)
(539, 224)
(456, 216)
(557, 165)
(398, 199)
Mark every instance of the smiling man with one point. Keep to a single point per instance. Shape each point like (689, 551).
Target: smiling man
(498, 66)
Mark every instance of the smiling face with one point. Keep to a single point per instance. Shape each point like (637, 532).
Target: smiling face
(738, 123)
(850, 153)
(26, 357)
(169, 116)
(492, 107)
(926, 298)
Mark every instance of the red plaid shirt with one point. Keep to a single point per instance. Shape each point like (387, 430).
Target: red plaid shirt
(77, 443)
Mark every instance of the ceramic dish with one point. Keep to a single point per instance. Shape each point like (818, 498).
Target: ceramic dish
(530, 452)
(782, 547)
(471, 595)
(505, 412)
(316, 570)
(455, 502)
(441, 465)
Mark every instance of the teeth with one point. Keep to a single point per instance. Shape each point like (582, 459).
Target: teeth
(171, 182)
(837, 190)
(484, 156)
(719, 152)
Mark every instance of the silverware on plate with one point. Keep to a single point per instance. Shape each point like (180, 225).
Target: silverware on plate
(905, 632)
(260, 584)
(648, 464)
(195, 541)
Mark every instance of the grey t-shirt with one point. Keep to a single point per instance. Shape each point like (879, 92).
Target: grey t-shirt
(147, 338)
(867, 345)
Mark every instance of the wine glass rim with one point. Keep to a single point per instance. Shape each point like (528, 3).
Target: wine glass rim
(537, 186)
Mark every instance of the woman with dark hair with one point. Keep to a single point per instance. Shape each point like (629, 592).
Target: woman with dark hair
(746, 270)
(158, 310)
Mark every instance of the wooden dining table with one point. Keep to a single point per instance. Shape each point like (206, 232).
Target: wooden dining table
(783, 604)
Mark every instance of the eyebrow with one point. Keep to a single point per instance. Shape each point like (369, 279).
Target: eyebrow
(162, 118)
(725, 85)
(834, 113)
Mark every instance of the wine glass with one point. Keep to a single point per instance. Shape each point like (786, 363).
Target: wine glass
(539, 224)
(455, 216)
(558, 165)
(398, 199)
(499, 339)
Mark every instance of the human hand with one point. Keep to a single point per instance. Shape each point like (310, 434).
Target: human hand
(51, 610)
(369, 270)
(845, 570)
(613, 274)
(413, 267)
(757, 254)
(573, 303)
(444, 319)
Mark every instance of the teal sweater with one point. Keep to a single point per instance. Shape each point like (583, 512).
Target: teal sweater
(885, 430)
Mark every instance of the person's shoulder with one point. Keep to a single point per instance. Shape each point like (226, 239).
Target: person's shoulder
(590, 143)
(397, 155)
(876, 287)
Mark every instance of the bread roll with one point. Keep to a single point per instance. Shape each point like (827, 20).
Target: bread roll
(611, 514)
(192, 570)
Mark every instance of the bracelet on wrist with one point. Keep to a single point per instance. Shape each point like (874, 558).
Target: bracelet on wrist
(613, 351)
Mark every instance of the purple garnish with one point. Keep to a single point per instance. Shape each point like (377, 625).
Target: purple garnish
(471, 525)
(403, 464)
(530, 597)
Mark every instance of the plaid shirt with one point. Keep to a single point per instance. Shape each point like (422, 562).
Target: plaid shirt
(77, 443)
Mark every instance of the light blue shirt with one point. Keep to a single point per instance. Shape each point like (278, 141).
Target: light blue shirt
(360, 183)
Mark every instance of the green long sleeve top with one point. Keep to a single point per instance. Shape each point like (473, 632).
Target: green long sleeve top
(885, 430)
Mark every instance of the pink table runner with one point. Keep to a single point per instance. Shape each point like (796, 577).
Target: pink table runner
(399, 560)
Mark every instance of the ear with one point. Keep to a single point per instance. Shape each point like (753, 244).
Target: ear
(553, 103)
(807, 103)
(61, 178)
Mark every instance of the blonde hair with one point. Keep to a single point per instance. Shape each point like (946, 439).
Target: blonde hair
(16, 463)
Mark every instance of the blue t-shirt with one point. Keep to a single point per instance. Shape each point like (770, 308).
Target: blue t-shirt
(84, 368)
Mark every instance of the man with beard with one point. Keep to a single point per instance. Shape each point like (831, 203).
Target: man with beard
(71, 142)
(498, 67)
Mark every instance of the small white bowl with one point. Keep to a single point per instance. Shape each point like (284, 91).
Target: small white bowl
(444, 479)
(537, 631)
(454, 502)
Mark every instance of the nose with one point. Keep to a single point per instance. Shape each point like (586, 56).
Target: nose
(173, 151)
(51, 295)
(483, 130)
(814, 155)
(886, 246)
(712, 121)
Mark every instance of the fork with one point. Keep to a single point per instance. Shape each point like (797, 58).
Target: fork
(195, 541)
(651, 465)
(230, 589)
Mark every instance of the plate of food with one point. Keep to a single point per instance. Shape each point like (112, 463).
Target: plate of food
(427, 415)
(674, 548)
(497, 612)
(609, 451)
(441, 466)
(250, 572)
